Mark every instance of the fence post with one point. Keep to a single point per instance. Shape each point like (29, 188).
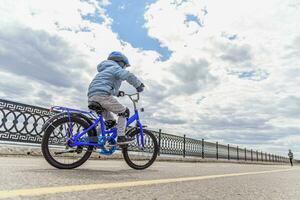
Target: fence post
(262, 157)
(251, 155)
(228, 152)
(184, 145)
(202, 148)
(237, 153)
(159, 141)
(256, 156)
(266, 158)
(271, 157)
(217, 150)
(245, 154)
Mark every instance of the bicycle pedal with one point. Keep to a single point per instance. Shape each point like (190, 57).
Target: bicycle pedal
(79, 150)
(123, 143)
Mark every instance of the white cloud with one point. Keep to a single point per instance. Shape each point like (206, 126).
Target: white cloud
(252, 38)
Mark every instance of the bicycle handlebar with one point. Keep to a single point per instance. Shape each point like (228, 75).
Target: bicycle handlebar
(131, 95)
(134, 101)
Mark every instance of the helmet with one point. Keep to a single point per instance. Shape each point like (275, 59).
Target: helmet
(119, 58)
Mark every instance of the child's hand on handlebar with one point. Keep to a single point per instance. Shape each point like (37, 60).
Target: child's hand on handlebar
(140, 88)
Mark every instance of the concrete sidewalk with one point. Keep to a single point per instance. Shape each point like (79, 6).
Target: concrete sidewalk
(34, 178)
(29, 150)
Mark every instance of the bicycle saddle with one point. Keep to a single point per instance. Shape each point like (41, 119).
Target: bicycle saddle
(95, 106)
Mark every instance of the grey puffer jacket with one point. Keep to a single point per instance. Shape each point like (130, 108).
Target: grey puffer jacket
(109, 78)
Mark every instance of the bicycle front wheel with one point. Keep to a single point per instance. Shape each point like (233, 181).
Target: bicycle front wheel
(138, 157)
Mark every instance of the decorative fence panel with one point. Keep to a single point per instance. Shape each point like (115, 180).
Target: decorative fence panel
(210, 150)
(193, 147)
(171, 144)
(222, 151)
(23, 123)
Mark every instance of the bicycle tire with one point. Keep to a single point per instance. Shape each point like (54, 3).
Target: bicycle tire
(153, 158)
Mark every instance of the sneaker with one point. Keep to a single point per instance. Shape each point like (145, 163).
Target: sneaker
(124, 140)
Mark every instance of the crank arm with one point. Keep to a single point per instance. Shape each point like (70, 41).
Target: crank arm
(122, 143)
(111, 145)
(78, 150)
(62, 152)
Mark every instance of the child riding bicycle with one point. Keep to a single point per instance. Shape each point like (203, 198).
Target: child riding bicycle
(105, 86)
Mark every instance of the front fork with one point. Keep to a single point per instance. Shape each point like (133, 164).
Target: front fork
(140, 138)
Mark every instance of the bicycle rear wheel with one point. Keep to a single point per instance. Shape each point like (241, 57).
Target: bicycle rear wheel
(137, 157)
(55, 147)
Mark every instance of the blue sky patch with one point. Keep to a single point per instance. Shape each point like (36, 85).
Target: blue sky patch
(254, 75)
(193, 18)
(128, 22)
(246, 75)
(95, 17)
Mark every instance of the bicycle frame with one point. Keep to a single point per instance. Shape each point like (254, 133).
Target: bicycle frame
(74, 138)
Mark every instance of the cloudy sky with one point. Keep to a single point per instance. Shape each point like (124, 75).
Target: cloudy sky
(226, 71)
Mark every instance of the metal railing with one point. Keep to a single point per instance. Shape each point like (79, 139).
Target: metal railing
(184, 146)
(23, 123)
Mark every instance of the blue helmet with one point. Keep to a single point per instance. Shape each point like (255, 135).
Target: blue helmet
(119, 57)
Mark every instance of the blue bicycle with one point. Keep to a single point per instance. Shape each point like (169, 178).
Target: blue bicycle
(72, 135)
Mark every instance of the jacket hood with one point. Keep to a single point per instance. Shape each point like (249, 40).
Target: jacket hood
(105, 64)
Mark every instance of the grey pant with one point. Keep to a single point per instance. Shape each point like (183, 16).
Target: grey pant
(111, 104)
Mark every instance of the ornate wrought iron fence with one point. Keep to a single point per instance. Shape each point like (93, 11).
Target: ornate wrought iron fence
(23, 123)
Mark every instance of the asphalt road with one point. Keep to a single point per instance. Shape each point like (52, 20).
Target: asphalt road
(33, 178)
